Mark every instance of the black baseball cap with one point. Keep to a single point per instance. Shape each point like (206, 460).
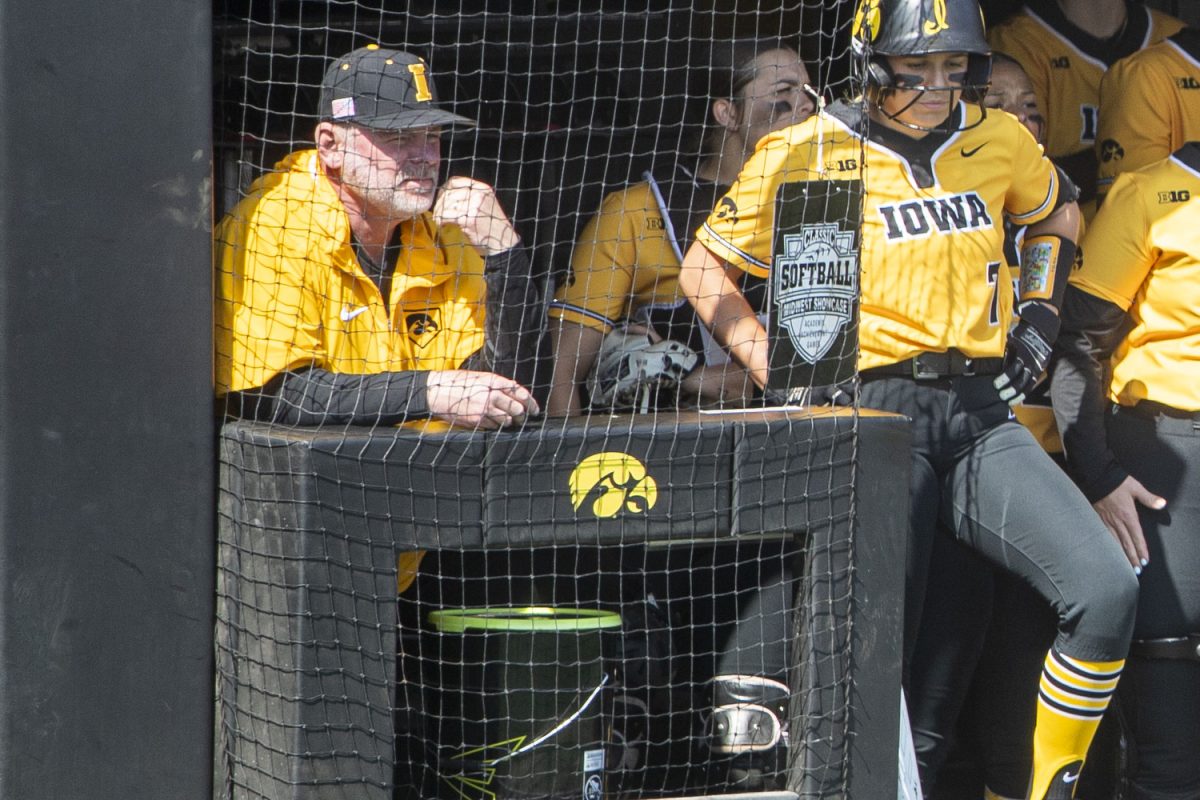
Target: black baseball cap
(379, 88)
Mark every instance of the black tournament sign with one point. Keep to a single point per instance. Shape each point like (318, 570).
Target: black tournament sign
(813, 322)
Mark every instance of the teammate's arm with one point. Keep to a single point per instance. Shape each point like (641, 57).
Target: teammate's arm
(604, 263)
(575, 348)
(710, 284)
(1095, 321)
(719, 384)
(1092, 329)
(709, 275)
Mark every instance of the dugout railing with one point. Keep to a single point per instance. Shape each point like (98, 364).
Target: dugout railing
(311, 522)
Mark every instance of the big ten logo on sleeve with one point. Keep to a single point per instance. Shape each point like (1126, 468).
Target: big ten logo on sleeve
(812, 330)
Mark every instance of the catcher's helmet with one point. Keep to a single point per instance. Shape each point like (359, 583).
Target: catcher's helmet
(922, 27)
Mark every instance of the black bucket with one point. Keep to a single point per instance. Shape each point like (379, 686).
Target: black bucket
(522, 703)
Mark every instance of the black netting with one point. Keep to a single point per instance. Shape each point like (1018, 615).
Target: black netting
(646, 591)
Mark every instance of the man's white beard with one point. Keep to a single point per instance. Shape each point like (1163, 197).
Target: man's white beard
(391, 202)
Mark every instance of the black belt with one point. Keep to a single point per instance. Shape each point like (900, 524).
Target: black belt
(932, 366)
(1185, 647)
(1148, 409)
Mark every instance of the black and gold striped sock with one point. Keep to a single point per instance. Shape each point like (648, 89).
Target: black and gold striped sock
(1072, 697)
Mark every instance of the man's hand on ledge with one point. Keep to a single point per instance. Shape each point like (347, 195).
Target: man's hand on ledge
(480, 400)
(472, 206)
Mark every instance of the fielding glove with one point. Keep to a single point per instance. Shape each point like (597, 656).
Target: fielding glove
(631, 371)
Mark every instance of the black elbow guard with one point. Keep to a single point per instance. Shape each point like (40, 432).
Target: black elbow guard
(1046, 264)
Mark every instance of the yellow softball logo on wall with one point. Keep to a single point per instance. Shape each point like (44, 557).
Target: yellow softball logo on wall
(938, 23)
(866, 15)
(622, 480)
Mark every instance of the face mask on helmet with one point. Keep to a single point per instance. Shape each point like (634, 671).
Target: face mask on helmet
(909, 28)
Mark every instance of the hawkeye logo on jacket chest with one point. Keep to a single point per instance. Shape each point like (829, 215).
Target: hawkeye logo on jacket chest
(815, 280)
(422, 327)
(916, 219)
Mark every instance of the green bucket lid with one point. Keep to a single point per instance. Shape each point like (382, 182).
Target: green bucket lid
(532, 618)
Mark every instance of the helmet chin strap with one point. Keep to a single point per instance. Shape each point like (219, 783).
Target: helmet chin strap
(912, 83)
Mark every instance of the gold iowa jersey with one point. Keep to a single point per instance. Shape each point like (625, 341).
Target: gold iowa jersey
(933, 271)
(625, 266)
(622, 262)
(1150, 106)
(1142, 253)
(1065, 65)
(291, 293)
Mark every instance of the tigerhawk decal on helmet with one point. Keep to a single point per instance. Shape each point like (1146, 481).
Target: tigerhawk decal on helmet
(866, 22)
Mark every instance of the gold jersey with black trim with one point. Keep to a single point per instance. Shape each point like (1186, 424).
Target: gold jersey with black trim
(1143, 255)
(1150, 106)
(625, 266)
(1065, 65)
(933, 275)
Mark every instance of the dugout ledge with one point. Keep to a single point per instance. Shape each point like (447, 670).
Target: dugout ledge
(311, 521)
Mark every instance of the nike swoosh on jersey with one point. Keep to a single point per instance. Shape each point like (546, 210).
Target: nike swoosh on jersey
(968, 153)
(349, 313)
(1069, 778)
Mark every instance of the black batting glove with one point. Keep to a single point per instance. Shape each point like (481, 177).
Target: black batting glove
(1027, 352)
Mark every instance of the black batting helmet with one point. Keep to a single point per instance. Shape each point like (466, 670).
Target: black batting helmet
(921, 27)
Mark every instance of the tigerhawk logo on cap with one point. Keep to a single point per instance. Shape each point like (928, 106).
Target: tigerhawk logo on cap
(622, 480)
